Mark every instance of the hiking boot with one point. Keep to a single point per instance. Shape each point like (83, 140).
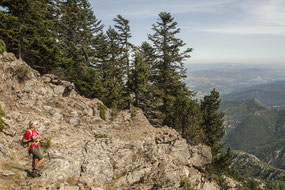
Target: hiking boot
(36, 173)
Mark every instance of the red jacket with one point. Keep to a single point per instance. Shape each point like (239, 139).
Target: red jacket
(32, 133)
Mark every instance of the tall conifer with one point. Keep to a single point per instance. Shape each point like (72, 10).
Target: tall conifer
(169, 62)
(213, 121)
(78, 35)
(109, 64)
(214, 131)
(124, 31)
(30, 32)
(123, 28)
(139, 82)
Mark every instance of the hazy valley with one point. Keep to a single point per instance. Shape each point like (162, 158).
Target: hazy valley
(253, 101)
(227, 78)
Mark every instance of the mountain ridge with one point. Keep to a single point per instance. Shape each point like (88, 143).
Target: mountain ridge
(91, 146)
(271, 95)
(255, 128)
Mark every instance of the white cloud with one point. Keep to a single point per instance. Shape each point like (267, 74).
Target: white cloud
(150, 8)
(259, 17)
(248, 30)
(271, 12)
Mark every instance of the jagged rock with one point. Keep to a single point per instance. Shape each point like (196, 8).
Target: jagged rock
(2, 104)
(232, 183)
(71, 188)
(7, 57)
(6, 173)
(201, 155)
(57, 117)
(121, 151)
(210, 186)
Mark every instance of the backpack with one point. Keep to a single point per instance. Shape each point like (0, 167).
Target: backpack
(24, 144)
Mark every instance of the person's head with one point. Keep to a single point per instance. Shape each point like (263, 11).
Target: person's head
(32, 124)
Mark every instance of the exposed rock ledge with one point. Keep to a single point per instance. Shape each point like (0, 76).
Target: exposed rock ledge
(121, 152)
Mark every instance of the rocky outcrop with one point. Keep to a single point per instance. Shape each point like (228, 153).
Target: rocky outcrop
(120, 151)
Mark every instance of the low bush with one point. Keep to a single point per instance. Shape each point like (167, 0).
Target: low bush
(47, 143)
(22, 72)
(98, 136)
(102, 110)
(2, 114)
(2, 46)
(185, 184)
(1, 124)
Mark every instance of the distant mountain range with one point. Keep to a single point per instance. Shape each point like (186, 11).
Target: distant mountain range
(271, 95)
(255, 128)
(227, 78)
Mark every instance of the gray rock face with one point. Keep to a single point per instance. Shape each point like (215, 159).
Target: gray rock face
(87, 152)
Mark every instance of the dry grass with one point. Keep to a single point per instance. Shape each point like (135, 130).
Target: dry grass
(71, 181)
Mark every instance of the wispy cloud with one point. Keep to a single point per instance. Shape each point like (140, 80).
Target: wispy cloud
(271, 12)
(149, 8)
(248, 30)
(261, 17)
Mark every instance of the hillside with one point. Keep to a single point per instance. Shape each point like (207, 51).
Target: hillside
(92, 147)
(249, 165)
(254, 128)
(271, 94)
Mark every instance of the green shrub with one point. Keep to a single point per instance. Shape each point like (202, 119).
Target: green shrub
(134, 112)
(275, 185)
(1, 124)
(2, 46)
(22, 72)
(223, 183)
(46, 145)
(185, 184)
(2, 113)
(99, 136)
(102, 110)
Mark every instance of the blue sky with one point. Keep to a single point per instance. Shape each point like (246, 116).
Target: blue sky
(234, 31)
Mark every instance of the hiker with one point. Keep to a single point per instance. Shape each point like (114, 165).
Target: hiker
(31, 137)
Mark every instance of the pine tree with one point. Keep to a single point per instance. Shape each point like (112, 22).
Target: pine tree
(214, 131)
(124, 31)
(188, 117)
(148, 54)
(153, 100)
(8, 28)
(213, 121)
(29, 32)
(79, 31)
(139, 82)
(109, 64)
(169, 63)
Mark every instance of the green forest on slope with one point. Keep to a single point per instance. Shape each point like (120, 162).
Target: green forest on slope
(256, 129)
(250, 166)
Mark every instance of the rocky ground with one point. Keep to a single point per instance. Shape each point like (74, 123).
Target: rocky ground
(91, 148)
